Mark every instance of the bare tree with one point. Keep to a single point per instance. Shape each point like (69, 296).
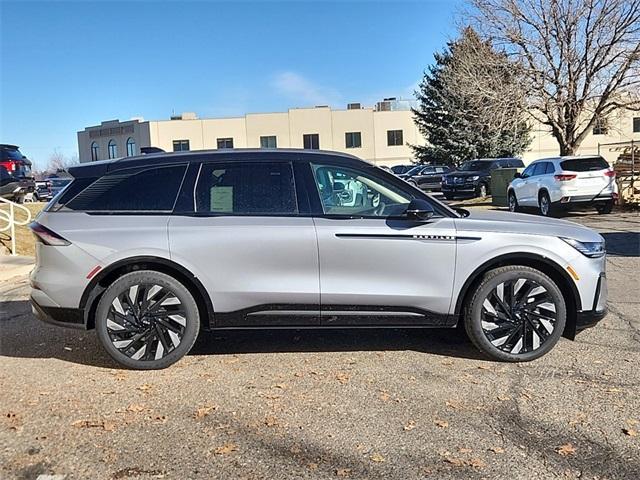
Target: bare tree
(581, 58)
(58, 162)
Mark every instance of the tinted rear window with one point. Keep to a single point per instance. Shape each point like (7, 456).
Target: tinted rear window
(11, 154)
(150, 190)
(584, 164)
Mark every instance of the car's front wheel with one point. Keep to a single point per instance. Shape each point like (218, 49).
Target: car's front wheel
(147, 320)
(513, 202)
(516, 314)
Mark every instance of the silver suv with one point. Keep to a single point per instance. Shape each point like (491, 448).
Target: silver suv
(150, 250)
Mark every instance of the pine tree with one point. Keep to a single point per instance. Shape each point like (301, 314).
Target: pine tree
(471, 104)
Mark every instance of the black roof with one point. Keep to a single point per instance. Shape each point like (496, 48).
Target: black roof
(99, 168)
(10, 147)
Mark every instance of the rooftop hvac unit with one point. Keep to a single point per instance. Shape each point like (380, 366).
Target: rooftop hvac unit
(353, 106)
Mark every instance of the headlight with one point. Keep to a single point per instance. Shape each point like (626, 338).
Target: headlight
(474, 178)
(588, 249)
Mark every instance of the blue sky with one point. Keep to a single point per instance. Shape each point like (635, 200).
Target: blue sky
(67, 65)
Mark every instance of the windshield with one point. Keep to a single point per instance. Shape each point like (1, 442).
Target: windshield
(475, 165)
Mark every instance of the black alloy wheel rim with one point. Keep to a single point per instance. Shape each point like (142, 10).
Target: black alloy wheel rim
(146, 322)
(518, 316)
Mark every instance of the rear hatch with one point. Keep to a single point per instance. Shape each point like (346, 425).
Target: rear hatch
(593, 175)
(16, 164)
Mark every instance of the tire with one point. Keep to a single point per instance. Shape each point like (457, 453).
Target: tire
(544, 204)
(483, 190)
(605, 207)
(170, 332)
(512, 337)
(513, 202)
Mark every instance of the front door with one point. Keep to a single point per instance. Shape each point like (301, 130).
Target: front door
(253, 251)
(376, 265)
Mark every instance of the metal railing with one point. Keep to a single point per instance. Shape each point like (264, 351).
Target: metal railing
(12, 222)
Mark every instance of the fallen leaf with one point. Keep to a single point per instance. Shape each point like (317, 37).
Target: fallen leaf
(465, 450)
(312, 466)
(376, 457)
(342, 377)
(343, 472)
(566, 450)
(145, 387)
(204, 411)
(630, 432)
(441, 423)
(135, 408)
(410, 425)
(225, 449)
(497, 449)
(503, 398)
(271, 421)
(454, 461)
(384, 395)
(477, 463)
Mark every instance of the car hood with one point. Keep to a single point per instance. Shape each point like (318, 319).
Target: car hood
(506, 222)
(470, 173)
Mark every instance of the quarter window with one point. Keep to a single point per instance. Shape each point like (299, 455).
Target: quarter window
(225, 143)
(394, 138)
(269, 142)
(131, 147)
(353, 139)
(246, 189)
(94, 151)
(113, 149)
(311, 141)
(121, 192)
(180, 145)
(344, 191)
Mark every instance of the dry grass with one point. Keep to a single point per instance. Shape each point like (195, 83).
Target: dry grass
(25, 243)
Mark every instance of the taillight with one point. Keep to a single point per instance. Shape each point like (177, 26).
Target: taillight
(610, 173)
(46, 236)
(565, 177)
(10, 165)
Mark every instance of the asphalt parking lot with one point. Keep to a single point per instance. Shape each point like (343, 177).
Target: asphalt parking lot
(388, 404)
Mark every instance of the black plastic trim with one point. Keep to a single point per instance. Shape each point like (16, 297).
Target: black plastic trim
(61, 317)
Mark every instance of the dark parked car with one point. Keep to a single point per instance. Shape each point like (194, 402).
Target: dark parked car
(473, 178)
(16, 179)
(426, 177)
(58, 183)
(42, 192)
(400, 169)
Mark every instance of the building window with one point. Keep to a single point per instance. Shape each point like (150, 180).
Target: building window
(113, 149)
(225, 143)
(180, 145)
(353, 139)
(94, 151)
(268, 142)
(311, 141)
(601, 127)
(636, 124)
(394, 137)
(131, 147)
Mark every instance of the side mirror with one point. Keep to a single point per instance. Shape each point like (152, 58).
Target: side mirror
(419, 209)
(517, 175)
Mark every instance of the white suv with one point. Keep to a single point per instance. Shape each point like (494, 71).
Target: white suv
(564, 182)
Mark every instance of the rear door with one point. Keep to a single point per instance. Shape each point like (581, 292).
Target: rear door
(376, 265)
(247, 237)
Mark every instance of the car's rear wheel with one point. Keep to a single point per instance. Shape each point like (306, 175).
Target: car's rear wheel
(517, 314)
(544, 204)
(147, 320)
(513, 202)
(605, 207)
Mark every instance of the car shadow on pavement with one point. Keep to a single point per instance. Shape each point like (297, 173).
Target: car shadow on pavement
(24, 336)
(622, 244)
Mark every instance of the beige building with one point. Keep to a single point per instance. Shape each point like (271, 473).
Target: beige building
(381, 134)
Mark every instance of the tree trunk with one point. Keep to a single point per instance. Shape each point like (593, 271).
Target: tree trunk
(567, 149)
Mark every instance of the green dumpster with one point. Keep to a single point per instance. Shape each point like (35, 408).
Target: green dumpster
(500, 179)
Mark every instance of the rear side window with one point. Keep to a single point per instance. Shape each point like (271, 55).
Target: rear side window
(246, 189)
(584, 164)
(550, 168)
(150, 190)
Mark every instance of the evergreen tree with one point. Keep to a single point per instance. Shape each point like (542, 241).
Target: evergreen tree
(471, 104)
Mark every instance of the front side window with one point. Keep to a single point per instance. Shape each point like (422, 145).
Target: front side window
(225, 143)
(113, 149)
(311, 141)
(344, 191)
(528, 171)
(94, 151)
(394, 138)
(150, 190)
(269, 141)
(180, 145)
(246, 189)
(131, 147)
(353, 139)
